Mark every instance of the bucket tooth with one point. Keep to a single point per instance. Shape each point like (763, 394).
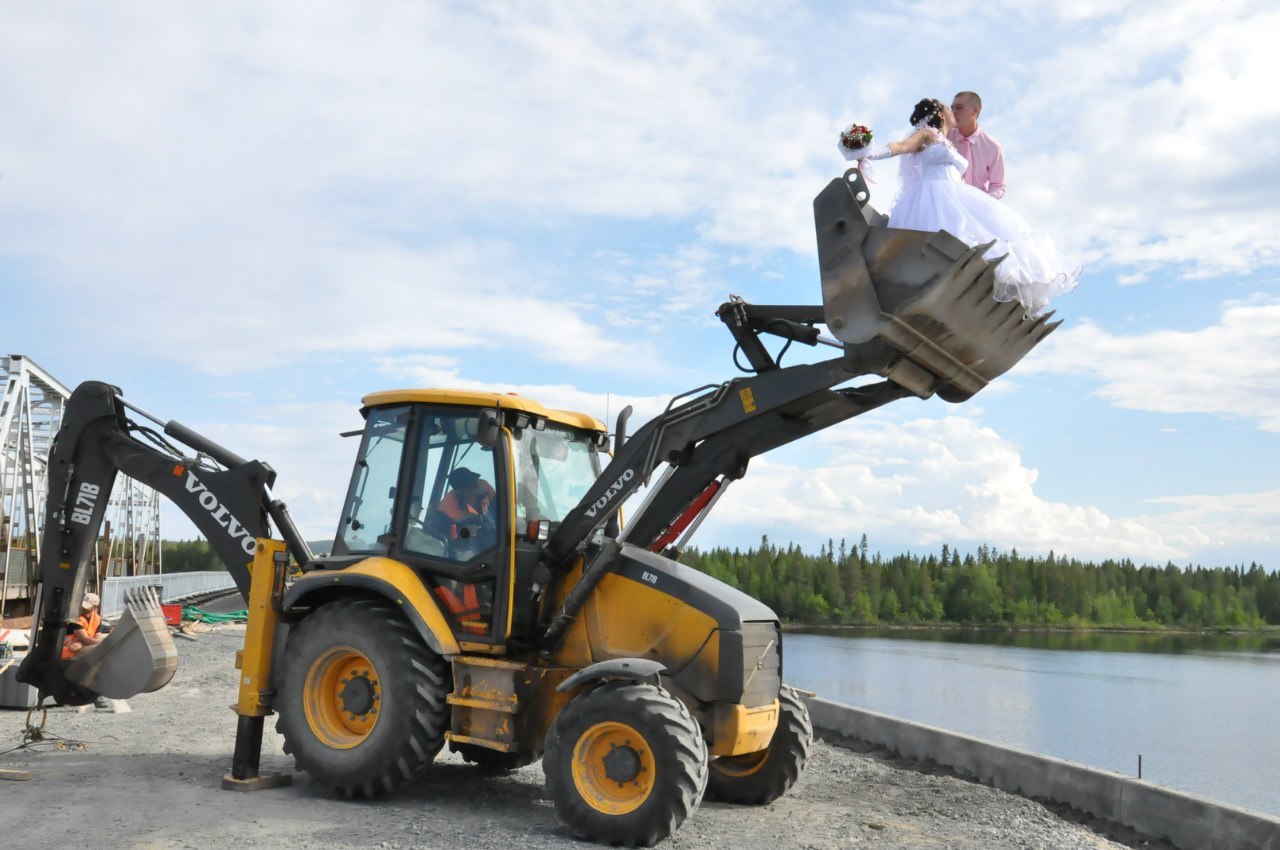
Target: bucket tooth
(928, 295)
(138, 656)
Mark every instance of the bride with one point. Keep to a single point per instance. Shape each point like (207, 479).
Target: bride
(933, 197)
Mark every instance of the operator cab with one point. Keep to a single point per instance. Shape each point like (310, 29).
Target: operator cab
(462, 487)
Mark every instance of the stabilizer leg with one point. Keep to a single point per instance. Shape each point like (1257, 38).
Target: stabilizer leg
(254, 662)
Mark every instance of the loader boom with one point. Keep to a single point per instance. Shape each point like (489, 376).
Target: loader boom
(914, 308)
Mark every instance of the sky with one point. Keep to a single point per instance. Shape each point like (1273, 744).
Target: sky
(249, 215)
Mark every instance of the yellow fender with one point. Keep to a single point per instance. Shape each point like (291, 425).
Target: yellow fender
(384, 577)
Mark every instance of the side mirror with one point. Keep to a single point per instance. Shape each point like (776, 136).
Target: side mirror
(490, 430)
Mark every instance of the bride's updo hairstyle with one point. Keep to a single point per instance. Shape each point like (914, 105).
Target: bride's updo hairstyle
(929, 111)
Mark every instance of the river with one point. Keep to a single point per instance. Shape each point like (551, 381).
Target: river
(1201, 710)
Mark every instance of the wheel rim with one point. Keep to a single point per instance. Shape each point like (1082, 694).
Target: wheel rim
(739, 766)
(613, 768)
(341, 697)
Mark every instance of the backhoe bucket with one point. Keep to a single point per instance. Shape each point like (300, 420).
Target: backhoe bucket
(138, 656)
(926, 294)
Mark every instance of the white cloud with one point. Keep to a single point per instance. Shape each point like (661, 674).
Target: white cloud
(1233, 521)
(1230, 369)
(234, 166)
(301, 442)
(445, 372)
(1144, 143)
(362, 176)
(926, 482)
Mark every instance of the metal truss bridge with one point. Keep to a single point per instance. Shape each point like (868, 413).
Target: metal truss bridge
(31, 407)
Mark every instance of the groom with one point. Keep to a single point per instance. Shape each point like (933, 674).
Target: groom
(986, 159)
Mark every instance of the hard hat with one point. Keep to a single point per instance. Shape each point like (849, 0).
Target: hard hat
(462, 476)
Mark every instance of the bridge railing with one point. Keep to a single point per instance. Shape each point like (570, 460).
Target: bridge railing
(174, 587)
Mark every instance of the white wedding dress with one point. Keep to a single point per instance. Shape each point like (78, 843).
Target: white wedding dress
(933, 197)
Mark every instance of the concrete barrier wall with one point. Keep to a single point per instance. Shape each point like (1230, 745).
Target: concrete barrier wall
(1191, 822)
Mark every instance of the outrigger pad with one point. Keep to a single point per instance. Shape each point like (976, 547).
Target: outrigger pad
(138, 656)
(926, 294)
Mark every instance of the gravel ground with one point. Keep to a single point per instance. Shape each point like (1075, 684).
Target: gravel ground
(150, 778)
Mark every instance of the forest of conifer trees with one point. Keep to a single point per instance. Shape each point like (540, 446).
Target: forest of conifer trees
(850, 585)
(843, 585)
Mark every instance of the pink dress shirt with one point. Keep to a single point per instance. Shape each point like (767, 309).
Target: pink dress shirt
(986, 161)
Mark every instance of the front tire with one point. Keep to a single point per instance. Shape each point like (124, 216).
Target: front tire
(755, 779)
(625, 764)
(363, 702)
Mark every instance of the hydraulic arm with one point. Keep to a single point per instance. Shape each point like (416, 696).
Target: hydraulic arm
(227, 497)
(914, 308)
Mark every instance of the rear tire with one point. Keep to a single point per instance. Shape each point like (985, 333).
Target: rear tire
(625, 764)
(758, 778)
(363, 702)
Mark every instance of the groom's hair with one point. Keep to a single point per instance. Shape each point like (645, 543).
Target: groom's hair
(928, 110)
(973, 96)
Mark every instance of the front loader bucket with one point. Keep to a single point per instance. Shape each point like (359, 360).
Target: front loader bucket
(926, 294)
(138, 655)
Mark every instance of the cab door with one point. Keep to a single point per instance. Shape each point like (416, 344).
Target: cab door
(427, 493)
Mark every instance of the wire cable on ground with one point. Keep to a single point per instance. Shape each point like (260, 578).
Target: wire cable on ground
(34, 736)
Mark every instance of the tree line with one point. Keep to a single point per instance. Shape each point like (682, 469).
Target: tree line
(189, 556)
(848, 585)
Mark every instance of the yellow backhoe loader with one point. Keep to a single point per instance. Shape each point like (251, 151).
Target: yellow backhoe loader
(482, 592)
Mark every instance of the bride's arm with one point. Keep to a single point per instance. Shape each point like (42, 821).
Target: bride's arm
(916, 141)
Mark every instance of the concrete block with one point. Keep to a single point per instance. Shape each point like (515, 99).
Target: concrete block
(14, 694)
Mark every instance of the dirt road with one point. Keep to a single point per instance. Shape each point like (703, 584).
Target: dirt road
(150, 779)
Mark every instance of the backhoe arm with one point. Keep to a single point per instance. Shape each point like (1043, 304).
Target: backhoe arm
(97, 441)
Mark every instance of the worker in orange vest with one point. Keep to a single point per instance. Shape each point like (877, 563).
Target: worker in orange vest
(470, 498)
(470, 508)
(83, 632)
(469, 505)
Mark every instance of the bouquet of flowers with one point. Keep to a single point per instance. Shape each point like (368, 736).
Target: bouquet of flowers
(855, 137)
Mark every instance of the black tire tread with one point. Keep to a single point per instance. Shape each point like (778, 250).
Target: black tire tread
(417, 675)
(787, 754)
(670, 803)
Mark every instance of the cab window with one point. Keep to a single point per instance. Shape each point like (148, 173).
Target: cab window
(370, 507)
(554, 469)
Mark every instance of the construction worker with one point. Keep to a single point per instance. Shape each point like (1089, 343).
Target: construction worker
(470, 498)
(83, 633)
(469, 505)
